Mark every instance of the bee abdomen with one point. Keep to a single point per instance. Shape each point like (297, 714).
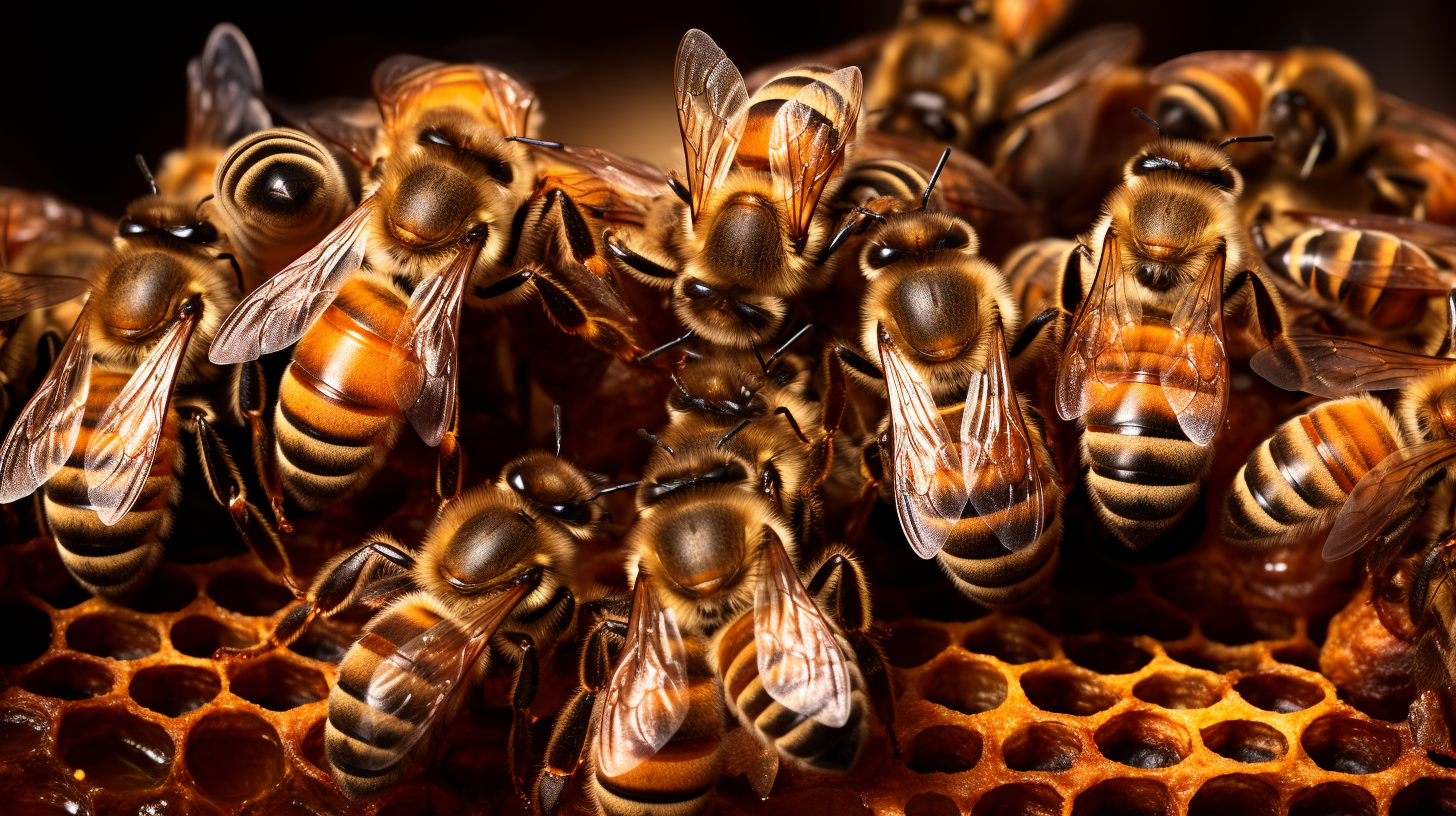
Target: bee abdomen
(1034, 270)
(337, 419)
(681, 778)
(1294, 484)
(883, 178)
(367, 747)
(111, 561)
(1316, 256)
(797, 738)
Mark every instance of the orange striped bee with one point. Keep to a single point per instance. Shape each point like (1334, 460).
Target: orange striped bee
(748, 232)
(460, 205)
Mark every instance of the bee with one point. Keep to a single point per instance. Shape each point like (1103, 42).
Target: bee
(748, 232)
(989, 509)
(489, 583)
(1432, 609)
(1145, 364)
(1411, 165)
(457, 195)
(1034, 271)
(1320, 105)
(1379, 278)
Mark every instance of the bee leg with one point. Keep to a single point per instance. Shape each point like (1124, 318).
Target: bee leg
(1266, 309)
(568, 738)
(226, 485)
(856, 361)
(1031, 331)
(1257, 229)
(572, 316)
(523, 693)
(629, 258)
(47, 349)
(341, 583)
(252, 403)
(449, 471)
(841, 585)
(1071, 292)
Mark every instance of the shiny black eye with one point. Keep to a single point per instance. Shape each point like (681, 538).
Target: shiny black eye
(574, 513)
(498, 170)
(201, 232)
(955, 239)
(130, 227)
(1148, 164)
(882, 256)
(434, 136)
(697, 290)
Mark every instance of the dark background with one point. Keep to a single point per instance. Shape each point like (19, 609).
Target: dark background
(85, 90)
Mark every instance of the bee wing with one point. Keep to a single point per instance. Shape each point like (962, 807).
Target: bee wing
(424, 360)
(1419, 278)
(123, 446)
(1380, 494)
(404, 81)
(224, 91)
(1335, 367)
(965, 185)
(21, 294)
(1081, 60)
(273, 316)
(1094, 344)
(413, 683)
(799, 662)
(999, 457)
(1398, 113)
(712, 111)
(44, 435)
(619, 172)
(808, 142)
(928, 498)
(647, 699)
(1195, 376)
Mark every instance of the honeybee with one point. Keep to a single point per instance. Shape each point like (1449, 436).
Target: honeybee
(458, 195)
(1145, 365)
(1034, 271)
(1432, 610)
(490, 582)
(988, 508)
(1377, 277)
(1411, 165)
(749, 231)
(1319, 104)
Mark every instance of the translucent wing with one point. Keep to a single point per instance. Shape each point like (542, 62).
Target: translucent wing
(21, 294)
(808, 141)
(1335, 367)
(1094, 344)
(929, 497)
(273, 316)
(1428, 235)
(123, 446)
(1382, 492)
(619, 172)
(999, 455)
(799, 662)
(411, 685)
(712, 111)
(647, 699)
(1195, 376)
(424, 361)
(1083, 59)
(224, 91)
(404, 82)
(44, 435)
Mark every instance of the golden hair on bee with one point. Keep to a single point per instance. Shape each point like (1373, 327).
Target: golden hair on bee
(1427, 408)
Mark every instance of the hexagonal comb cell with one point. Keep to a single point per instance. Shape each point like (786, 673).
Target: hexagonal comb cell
(1141, 616)
(1042, 746)
(947, 749)
(68, 678)
(174, 690)
(277, 684)
(1425, 797)
(1062, 690)
(1106, 654)
(1180, 690)
(119, 751)
(1143, 739)
(106, 634)
(1274, 691)
(21, 731)
(1241, 625)
(233, 755)
(1019, 799)
(1235, 793)
(248, 594)
(201, 636)
(28, 633)
(1245, 741)
(929, 803)
(913, 644)
(1331, 798)
(1012, 639)
(963, 684)
(1124, 797)
(1347, 745)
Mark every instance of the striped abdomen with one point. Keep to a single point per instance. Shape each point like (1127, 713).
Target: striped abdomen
(868, 180)
(113, 561)
(337, 419)
(978, 563)
(764, 106)
(799, 739)
(1143, 472)
(1296, 481)
(1324, 262)
(1035, 271)
(367, 748)
(682, 777)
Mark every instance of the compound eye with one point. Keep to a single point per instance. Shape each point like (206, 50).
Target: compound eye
(882, 256)
(434, 136)
(956, 238)
(1148, 164)
(201, 232)
(572, 513)
(130, 227)
(697, 290)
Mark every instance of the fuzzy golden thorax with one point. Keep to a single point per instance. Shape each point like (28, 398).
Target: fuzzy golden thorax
(1427, 408)
(704, 552)
(939, 79)
(482, 541)
(439, 180)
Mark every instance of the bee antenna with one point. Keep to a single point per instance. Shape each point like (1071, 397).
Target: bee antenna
(652, 437)
(556, 426)
(146, 173)
(1226, 142)
(202, 201)
(793, 423)
(934, 177)
(761, 364)
(614, 488)
(1150, 120)
(736, 428)
(774, 358)
(536, 142)
(669, 345)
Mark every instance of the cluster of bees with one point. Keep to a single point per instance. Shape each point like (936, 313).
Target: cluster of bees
(823, 276)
